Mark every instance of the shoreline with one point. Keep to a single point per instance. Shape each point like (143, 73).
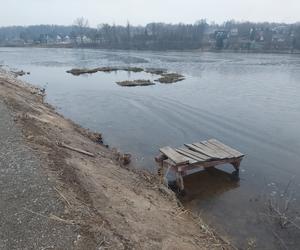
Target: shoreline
(238, 51)
(114, 206)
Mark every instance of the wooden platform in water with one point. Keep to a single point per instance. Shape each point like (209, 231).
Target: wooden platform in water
(204, 154)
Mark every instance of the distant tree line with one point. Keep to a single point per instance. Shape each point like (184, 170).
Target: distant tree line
(151, 36)
(159, 36)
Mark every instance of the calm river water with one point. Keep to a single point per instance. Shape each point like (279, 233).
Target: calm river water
(249, 101)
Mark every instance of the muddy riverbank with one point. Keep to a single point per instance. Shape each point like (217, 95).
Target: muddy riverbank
(111, 205)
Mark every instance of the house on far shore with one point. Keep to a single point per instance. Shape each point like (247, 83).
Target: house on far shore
(66, 40)
(84, 39)
(58, 39)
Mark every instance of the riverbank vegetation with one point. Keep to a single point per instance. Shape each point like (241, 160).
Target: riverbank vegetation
(231, 35)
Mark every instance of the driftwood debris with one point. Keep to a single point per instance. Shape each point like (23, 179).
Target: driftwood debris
(123, 159)
(63, 145)
(20, 73)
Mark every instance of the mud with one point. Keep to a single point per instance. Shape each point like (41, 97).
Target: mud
(170, 78)
(135, 83)
(78, 72)
(165, 76)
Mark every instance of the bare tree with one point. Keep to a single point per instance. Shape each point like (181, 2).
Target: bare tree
(81, 24)
(128, 31)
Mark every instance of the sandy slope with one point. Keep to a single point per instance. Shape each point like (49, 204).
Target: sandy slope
(114, 208)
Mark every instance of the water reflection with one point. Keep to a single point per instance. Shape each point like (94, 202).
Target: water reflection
(207, 185)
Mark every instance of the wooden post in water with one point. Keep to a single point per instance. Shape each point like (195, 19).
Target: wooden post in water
(236, 165)
(179, 181)
(161, 171)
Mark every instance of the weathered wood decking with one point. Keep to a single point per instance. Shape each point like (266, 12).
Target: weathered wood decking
(203, 154)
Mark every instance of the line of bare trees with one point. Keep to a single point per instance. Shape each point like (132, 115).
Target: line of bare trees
(151, 36)
(229, 35)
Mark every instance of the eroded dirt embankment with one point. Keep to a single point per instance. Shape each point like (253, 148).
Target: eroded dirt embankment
(115, 208)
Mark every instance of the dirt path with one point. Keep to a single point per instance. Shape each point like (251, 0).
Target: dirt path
(105, 206)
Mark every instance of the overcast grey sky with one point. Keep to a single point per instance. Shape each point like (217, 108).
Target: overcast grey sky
(26, 12)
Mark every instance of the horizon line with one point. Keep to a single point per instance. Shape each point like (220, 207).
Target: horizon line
(157, 22)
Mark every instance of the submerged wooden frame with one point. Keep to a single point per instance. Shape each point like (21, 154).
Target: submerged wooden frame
(204, 154)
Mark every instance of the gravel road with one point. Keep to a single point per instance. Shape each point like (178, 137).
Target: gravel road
(27, 197)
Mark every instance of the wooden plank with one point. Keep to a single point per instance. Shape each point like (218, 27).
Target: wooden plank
(78, 150)
(191, 160)
(197, 154)
(203, 150)
(193, 157)
(209, 153)
(220, 150)
(208, 164)
(174, 156)
(222, 154)
(210, 144)
(170, 164)
(216, 153)
(226, 148)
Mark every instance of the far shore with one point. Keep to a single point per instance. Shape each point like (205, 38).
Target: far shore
(213, 50)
